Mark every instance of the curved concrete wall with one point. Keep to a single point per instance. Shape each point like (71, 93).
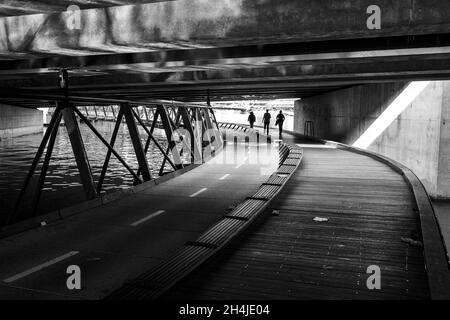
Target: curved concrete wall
(419, 138)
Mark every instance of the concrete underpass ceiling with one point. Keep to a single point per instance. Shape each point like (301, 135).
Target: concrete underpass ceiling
(237, 49)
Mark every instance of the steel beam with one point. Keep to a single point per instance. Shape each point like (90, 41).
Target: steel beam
(198, 129)
(196, 149)
(108, 154)
(136, 140)
(114, 152)
(220, 138)
(152, 138)
(79, 151)
(207, 138)
(113, 112)
(34, 164)
(45, 165)
(169, 130)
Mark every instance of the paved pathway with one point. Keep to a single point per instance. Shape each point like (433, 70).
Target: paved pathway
(368, 209)
(124, 238)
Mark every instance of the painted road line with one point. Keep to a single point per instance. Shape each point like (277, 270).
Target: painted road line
(224, 176)
(40, 267)
(239, 165)
(198, 192)
(150, 216)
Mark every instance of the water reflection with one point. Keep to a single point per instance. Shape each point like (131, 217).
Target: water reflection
(63, 186)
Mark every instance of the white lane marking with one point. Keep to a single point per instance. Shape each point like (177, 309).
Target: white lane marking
(40, 267)
(224, 176)
(154, 214)
(198, 192)
(240, 165)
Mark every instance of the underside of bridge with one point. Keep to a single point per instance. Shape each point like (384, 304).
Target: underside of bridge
(349, 65)
(239, 49)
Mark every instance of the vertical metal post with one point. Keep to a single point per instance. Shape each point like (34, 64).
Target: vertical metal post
(213, 127)
(149, 139)
(150, 136)
(136, 140)
(167, 124)
(218, 137)
(108, 154)
(75, 138)
(207, 118)
(198, 130)
(45, 165)
(196, 151)
(35, 162)
(199, 126)
(146, 113)
(174, 124)
(113, 112)
(79, 151)
(208, 135)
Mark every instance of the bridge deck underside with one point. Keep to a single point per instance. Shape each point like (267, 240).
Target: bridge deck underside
(290, 256)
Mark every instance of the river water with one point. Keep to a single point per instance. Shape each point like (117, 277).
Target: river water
(62, 186)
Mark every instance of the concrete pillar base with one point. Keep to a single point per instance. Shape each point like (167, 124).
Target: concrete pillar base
(17, 121)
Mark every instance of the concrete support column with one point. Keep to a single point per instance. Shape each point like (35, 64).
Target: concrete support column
(17, 121)
(443, 175)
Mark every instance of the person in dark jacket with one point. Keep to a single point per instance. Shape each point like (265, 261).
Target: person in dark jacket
(251, 119)
(266, 120)
(279, 122)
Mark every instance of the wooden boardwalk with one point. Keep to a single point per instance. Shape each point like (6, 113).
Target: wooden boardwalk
(290, 256)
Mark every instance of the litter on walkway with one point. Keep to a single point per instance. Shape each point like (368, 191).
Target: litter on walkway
(412, 242)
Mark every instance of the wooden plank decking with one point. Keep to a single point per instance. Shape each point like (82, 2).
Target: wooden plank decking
(290, 256)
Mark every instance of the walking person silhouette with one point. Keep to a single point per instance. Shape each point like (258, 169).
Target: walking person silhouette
(266, 120)
(251, 119)
(279, 123)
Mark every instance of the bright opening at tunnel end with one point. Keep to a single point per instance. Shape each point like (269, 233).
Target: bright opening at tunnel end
(397, 106)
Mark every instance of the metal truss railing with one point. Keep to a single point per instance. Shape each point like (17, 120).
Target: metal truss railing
(191, 128)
